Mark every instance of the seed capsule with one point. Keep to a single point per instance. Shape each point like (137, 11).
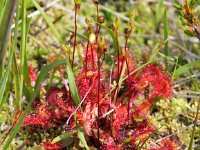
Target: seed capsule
(101, 19)
(127, 32)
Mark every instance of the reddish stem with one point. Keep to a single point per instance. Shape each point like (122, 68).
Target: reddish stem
(98, 94)
(97, 26)
(86, 61)
(102, 59)
(92, 56)
(75, 32)
(117, 44)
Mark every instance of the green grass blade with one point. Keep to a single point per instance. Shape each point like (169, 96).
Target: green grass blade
(185, 68)
(72, 83)
(5, 29)
(15, 68)
(5, 79)
(49, 22)
(159, 11)
(63, 136)
(22, 50)
(166, 48)
(154, 52)
(82, 139)
(2, 2)
(45, 71)
(8, 68)
(120, 80)
(25, 67)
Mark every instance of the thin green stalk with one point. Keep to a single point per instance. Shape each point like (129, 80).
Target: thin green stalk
(118, 67)
(196, 86)
(126, 42)
(75, 32)
(22, 50)
(159, 13)
(16, 79)
(16, 73)
(97, 16)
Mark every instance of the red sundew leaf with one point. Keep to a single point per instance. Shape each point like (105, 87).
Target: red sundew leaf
(87, 118)
(109, 143)
(44, 113)
(142, 109)
(36, 121)
(32, 74)
(85, 80)
(164, 87)
(57, 109)
(152, 72)
(166, 144)
(142, 131)
(119, 119)
(48, 146)
(40, 117)
(161, 84)
(58, 99)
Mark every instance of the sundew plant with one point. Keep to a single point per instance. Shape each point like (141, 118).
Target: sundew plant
(99, 75)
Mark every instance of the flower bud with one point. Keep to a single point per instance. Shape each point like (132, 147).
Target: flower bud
(117, 21)
(132, 23)
(123, 52)
(132, 19)
(101, 42)
(114, 28)
(88, 21)
(77, 2)
(90, 29)
(92, 38)
(101, 45)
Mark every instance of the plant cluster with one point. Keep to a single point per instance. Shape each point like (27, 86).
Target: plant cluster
(121, 120)
(114, 107)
